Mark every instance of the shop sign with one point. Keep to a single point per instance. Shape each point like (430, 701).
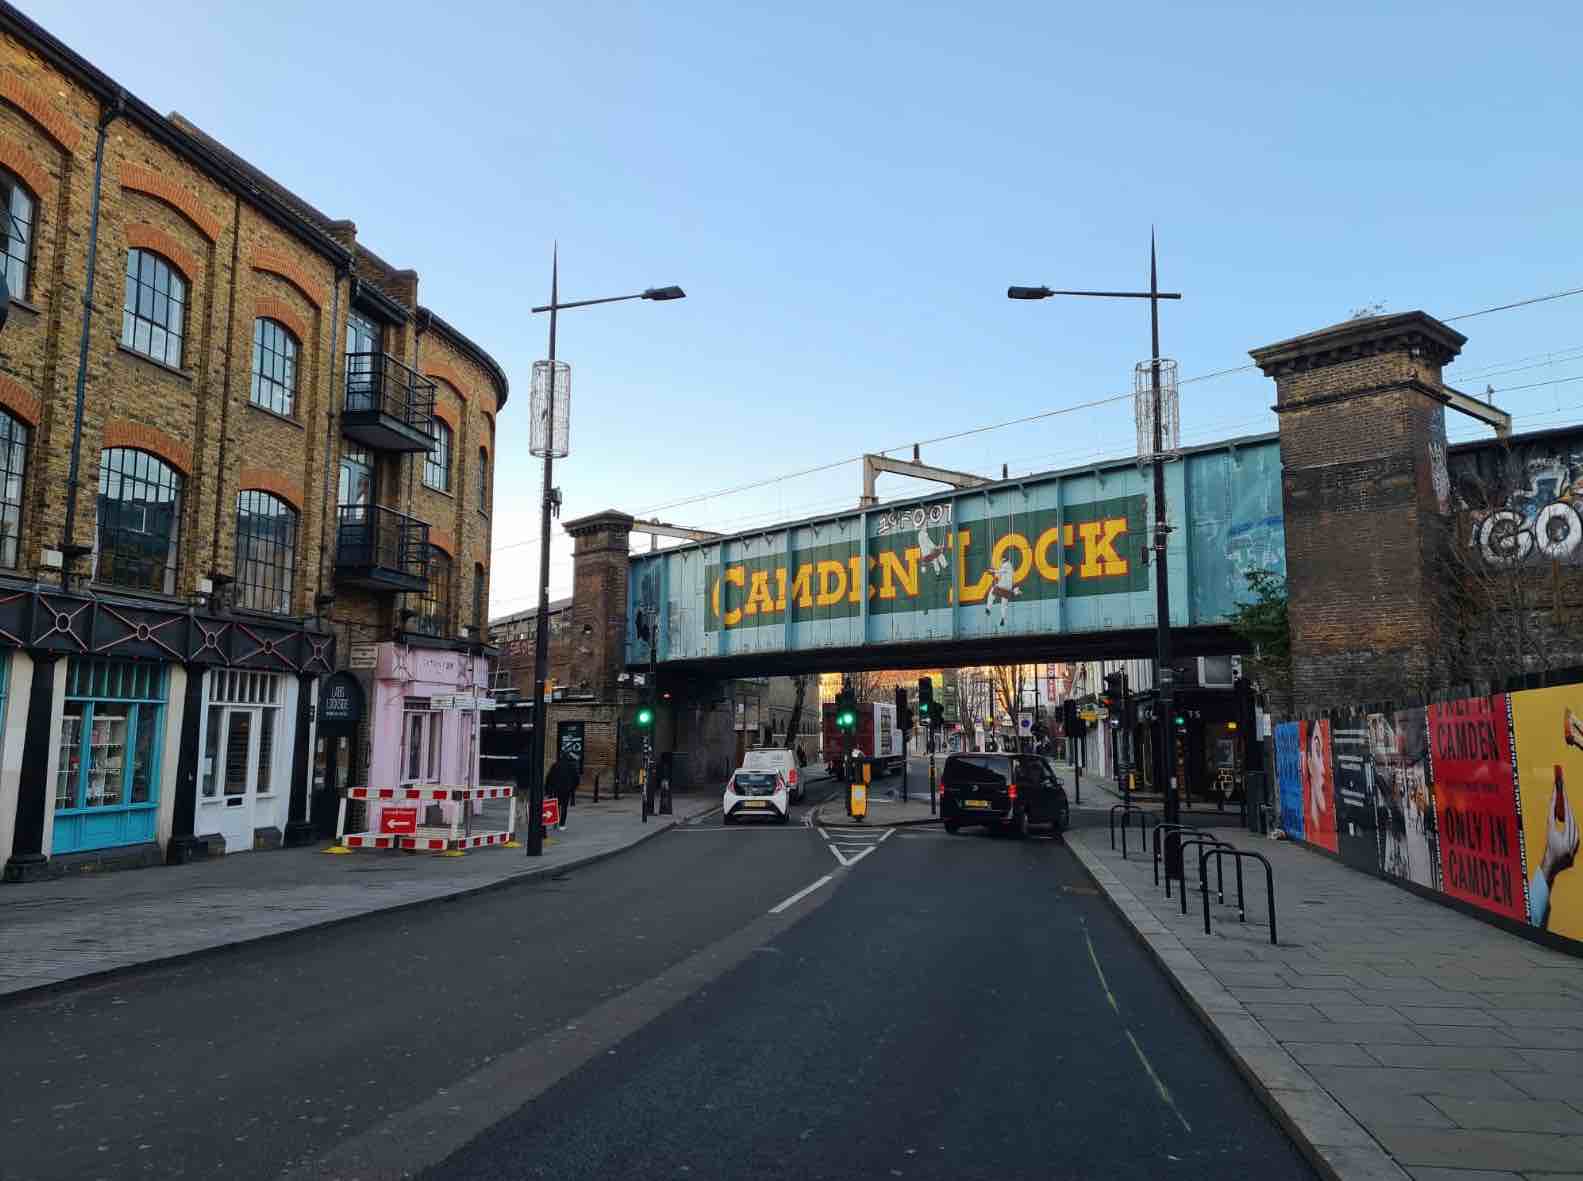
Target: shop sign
(362, 656)
(399, 821)
(341, 700)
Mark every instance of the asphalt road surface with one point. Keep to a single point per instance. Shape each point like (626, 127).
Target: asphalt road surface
(947, 1007)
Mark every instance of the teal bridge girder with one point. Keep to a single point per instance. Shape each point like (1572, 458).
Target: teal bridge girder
(1050, 566)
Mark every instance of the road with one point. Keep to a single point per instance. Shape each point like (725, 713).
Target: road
(940, 1007)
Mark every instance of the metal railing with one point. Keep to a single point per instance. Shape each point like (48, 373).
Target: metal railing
(378, 383)
(372, 537)
(1127, 812)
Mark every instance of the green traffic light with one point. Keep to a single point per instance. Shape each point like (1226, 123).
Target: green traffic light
(645, 716)
(1179, 720)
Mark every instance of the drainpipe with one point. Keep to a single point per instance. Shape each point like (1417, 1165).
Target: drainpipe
(105, 120)
(225, 389)
(329, 432)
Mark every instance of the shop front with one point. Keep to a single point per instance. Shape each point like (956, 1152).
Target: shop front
(420, 733)
(247, 736)
(134, 732)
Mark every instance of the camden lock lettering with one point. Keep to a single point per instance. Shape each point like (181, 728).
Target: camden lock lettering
(1092, 548)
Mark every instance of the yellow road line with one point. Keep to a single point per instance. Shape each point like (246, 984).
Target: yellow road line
(1165, 1095)
(1103, 983)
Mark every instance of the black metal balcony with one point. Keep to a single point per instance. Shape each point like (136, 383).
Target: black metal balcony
(389, 407)
(379, 549)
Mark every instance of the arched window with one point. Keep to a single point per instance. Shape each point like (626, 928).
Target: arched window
(483, 480)
(139, 520)
(19, 233)
(154, 316)
(13, 465)
(266, 551)
(434, 604)
(274, 366)
(437, 463)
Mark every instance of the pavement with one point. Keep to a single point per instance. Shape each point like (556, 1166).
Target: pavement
(53, 932)
(1394, 1037)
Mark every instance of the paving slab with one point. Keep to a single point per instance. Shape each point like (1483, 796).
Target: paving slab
(1393, 1036)
(1504, 1115)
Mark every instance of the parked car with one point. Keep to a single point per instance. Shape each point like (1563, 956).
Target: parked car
(756, 793)
(778, 759)
(1002, 792)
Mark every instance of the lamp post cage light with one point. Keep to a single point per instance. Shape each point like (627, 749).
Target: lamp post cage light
(551, 410)
(1143, 401)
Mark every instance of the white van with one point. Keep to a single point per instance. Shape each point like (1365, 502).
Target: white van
(775, 758)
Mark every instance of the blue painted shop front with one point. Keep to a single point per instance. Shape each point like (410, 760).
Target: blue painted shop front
(107, 781)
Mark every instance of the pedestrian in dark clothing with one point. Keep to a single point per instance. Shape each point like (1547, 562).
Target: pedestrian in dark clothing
(562, 783)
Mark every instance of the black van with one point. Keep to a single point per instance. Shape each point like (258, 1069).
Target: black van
(1002, 792)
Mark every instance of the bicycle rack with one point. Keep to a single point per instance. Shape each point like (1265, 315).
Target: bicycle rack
(1124, 810)
(1201, 839)
(1237, 854)
(1143, 828)
(1167, 829)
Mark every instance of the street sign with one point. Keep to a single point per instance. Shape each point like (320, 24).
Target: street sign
(362, 656)
(1025, 724)
(400, 821)
(465, 702)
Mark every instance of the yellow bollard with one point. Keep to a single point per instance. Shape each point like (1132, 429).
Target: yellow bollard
(858, 800)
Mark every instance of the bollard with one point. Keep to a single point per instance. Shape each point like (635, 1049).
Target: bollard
(596, 786)
(1077, 785)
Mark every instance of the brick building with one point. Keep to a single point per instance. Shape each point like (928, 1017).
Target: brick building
(238, 454)
(704, 726)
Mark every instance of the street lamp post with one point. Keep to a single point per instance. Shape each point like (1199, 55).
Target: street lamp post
(1164, 677)
(548, 505)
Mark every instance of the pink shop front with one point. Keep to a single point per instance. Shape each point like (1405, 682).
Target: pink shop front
(421, 731)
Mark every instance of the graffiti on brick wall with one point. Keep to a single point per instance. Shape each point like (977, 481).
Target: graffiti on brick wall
(1524, 504)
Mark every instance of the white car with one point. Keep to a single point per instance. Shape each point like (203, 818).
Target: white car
(780, 760)
(756, 793)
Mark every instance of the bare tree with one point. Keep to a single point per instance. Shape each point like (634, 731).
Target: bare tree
(795, 722)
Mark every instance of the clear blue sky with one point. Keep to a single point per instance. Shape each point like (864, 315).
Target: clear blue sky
(845, 190)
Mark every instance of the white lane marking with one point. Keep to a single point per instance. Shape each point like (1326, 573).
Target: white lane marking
(838, 856)
(887, 835)
(853, 861)
(1158, 1085)
(799, 896)
(824, 834)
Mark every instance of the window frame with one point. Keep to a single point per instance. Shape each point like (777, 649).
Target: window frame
(23, 263)
(437, 459)
(155, 466)
(419, 716)
(280, 391)
(131, 317)
(278, 559)
(483, 480)
(434, 601)
(15, 440)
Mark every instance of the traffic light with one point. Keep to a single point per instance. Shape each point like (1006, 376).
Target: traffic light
(926, 707)
(903, 711)
(645, 718)
(1115, 689)
(846, 710)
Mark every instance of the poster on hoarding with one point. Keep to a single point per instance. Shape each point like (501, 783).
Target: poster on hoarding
(1356, 834)
(1470, 760)
(1548, 731)
(1319, 802)
(1404, 799)
(1288, 775)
